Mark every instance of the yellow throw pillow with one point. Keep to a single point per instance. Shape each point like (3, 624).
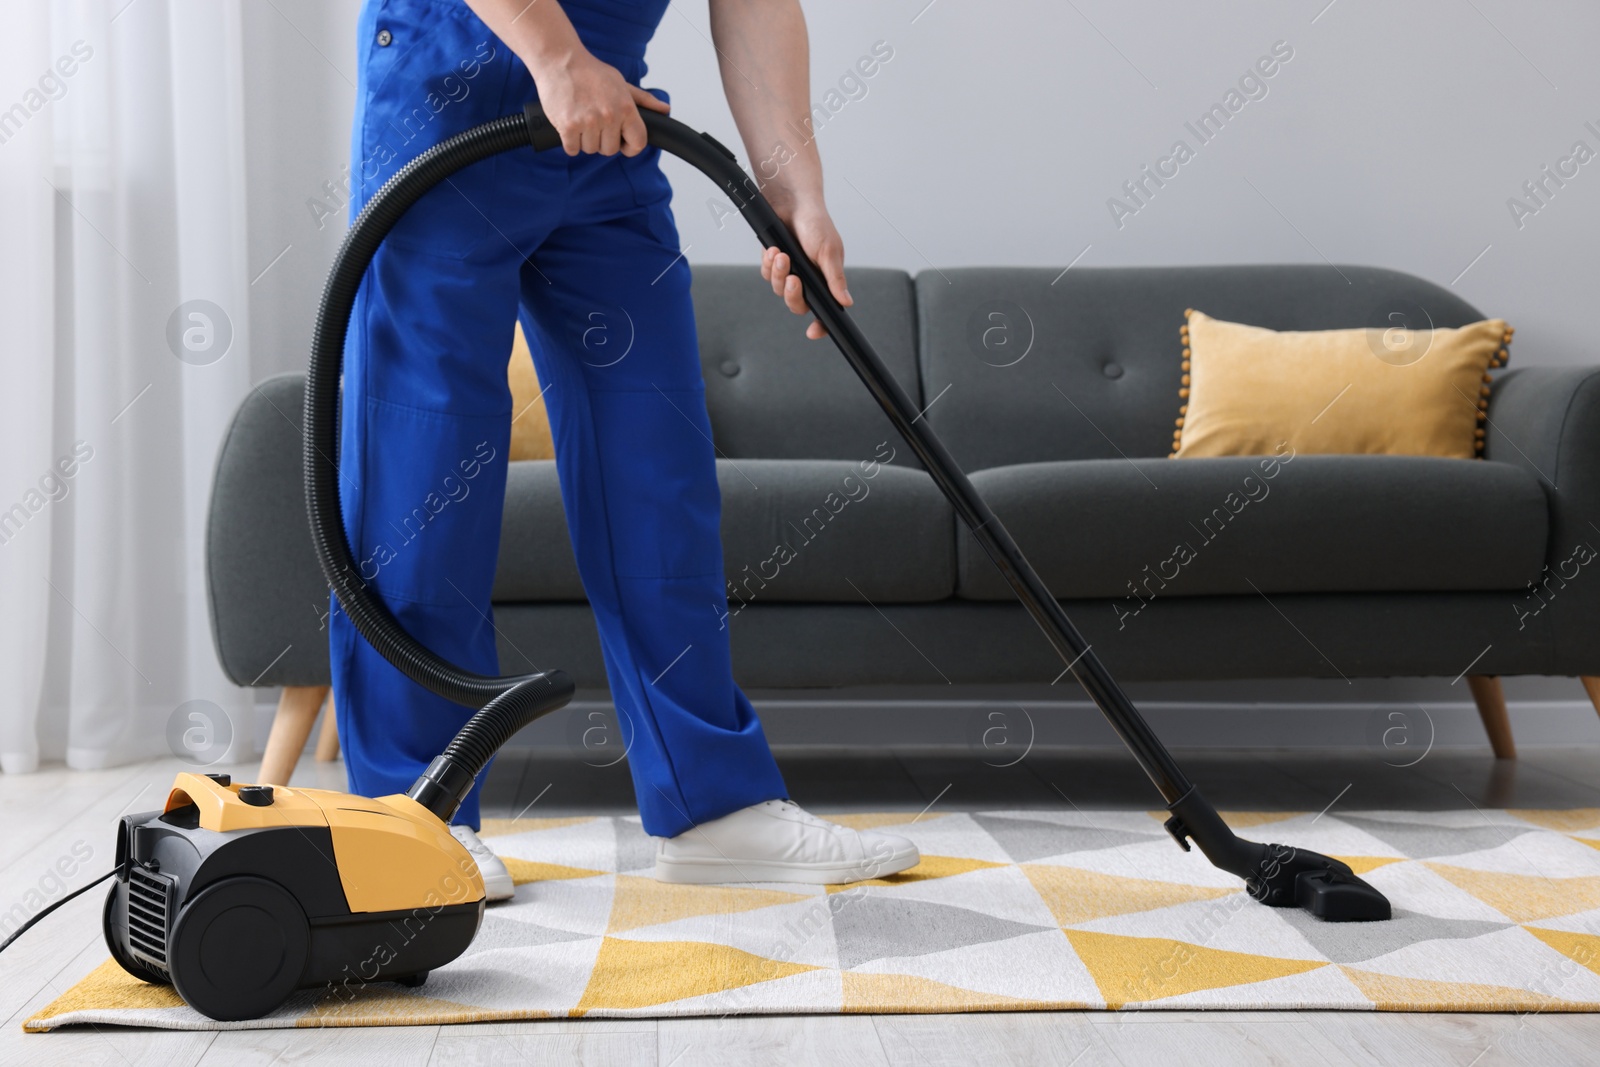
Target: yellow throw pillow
(1246, 390)
(530, 424)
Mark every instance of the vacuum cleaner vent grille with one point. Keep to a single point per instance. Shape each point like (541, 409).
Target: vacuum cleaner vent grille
(148, 896)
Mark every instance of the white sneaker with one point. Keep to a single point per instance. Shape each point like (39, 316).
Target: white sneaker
(497, 884)
(777, 841)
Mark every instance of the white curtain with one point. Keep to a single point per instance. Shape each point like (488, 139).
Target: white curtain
(124, 326)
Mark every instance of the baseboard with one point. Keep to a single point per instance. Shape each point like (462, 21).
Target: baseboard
(588, 726)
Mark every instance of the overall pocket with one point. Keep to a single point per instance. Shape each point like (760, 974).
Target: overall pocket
(430, 71)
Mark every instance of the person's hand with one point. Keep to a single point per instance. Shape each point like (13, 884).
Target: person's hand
(593, 107)
(821, 241)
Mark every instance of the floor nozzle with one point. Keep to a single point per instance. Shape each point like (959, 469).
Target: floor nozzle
(1280, 876)
(1296, 878)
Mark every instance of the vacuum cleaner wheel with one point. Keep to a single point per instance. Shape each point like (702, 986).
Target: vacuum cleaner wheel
(238, 948)
(115, 943)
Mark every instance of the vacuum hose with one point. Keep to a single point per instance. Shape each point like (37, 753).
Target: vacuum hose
(505, 704)
(1278, 875)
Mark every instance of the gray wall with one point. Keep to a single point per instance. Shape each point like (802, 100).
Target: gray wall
(997, 133)
(1394, 136)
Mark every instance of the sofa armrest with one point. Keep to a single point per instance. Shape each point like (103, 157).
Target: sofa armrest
(1546, 420)
(265, 591)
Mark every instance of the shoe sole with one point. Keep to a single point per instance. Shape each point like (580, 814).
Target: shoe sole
(498, 887)
(719, 871)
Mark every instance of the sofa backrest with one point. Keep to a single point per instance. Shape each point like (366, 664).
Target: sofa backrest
(774, 394)
(1023, 364)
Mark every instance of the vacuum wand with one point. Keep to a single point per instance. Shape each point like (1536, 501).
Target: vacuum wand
(505, 704)
(1278, 875)
(1274, 874)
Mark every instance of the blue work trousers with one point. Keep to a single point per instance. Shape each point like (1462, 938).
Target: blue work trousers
(584, 250)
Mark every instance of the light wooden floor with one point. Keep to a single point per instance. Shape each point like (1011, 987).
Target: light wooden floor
(46, 814)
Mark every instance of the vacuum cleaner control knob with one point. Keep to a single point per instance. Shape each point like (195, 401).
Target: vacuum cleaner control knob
(259, 796)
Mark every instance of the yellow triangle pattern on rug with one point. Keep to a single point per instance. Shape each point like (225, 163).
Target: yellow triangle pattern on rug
(909, 993)
(1583, 948)
(646, 902)
(525, 871)
(641, 974)
(107, 984)
(1591, 842)
(1392, 992)
(1132, 970)
(1563, 821)
(1524, 898)
(1075, 895)
(1240, 819)
(928, 868)
(1363, 864)
(389, 1005)
(503, 827)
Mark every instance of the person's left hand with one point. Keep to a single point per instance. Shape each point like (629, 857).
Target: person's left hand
(820, 238)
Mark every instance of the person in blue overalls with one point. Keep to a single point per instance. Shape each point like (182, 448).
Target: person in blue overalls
(565, 241)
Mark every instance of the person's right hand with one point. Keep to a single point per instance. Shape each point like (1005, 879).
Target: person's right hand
(593, 107)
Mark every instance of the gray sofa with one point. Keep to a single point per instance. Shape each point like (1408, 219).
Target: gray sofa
(1058, 396)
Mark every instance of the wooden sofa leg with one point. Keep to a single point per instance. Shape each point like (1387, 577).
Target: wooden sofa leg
(1491, 701)
(1591, 685)
(291, 726)
(328, 738)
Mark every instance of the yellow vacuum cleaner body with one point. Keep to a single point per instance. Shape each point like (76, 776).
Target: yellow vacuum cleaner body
(241, 894)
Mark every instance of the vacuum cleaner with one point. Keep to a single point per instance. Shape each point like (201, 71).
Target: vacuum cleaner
(240, 894)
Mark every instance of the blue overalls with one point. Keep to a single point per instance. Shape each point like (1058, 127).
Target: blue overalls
(584, 250)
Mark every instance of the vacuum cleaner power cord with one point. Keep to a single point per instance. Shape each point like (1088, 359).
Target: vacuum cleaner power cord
(505, 705)
(25, 927)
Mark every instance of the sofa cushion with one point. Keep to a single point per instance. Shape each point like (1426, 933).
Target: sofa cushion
(1027, 365)
(792, 530)
(773, 394)
(1243, 524)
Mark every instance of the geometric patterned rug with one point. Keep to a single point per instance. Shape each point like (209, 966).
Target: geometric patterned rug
(1008, 911)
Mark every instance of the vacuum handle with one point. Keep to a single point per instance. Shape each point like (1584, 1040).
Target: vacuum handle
(543, 135)
(713, 159)
(541, 131)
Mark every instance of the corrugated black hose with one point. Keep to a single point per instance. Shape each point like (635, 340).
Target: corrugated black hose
(506, 704)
